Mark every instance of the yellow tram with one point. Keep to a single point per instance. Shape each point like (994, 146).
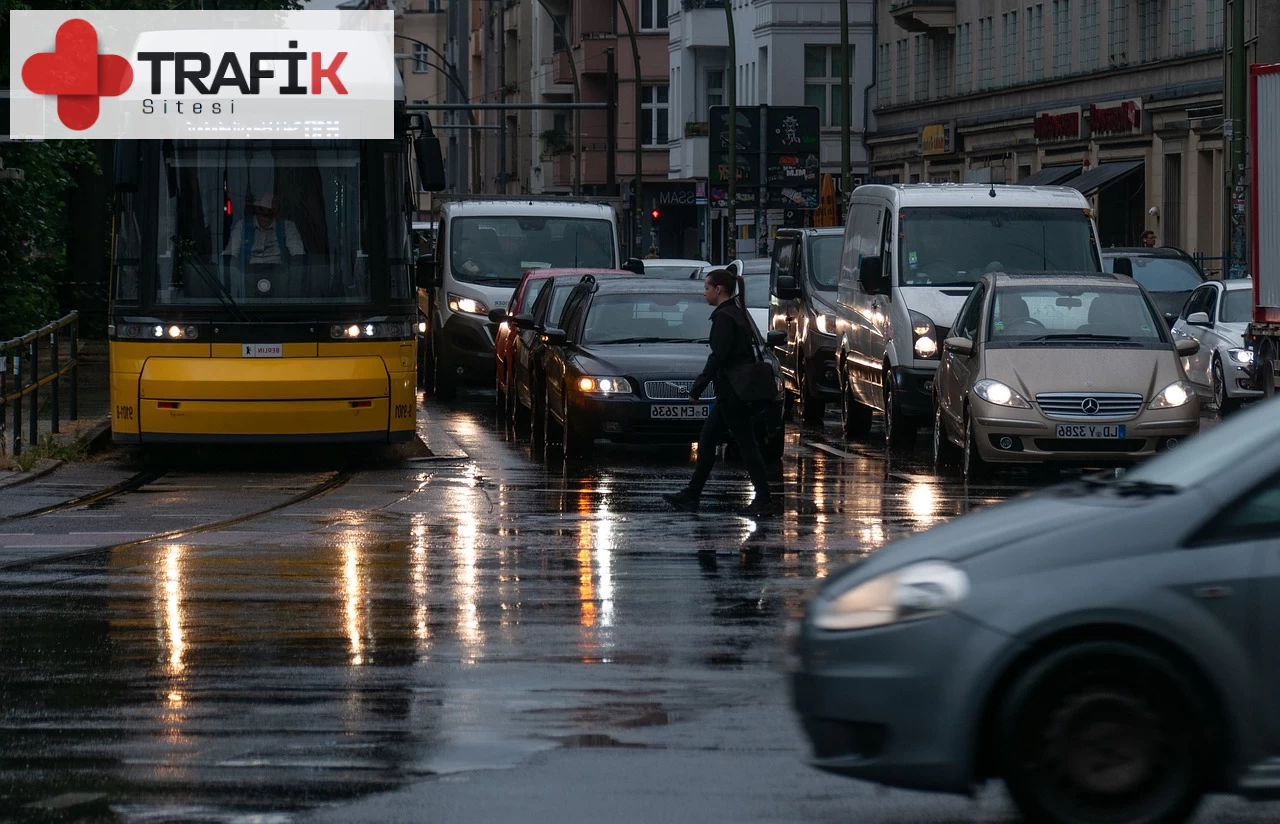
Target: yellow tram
(262, 291)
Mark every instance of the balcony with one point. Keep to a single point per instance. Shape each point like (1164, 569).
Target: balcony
(562, 75)
(699, 24)
(923, 15)
(590, 55)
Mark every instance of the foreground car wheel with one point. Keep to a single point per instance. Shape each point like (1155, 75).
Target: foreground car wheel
(573, 443)
(855, 419)
(1103, 733)
(971, 462)
(1221, 400)
(944, 452)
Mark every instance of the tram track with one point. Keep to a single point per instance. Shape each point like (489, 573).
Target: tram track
(334, 481)
(130, 484)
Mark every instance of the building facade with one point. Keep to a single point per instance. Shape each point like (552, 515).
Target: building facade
(787, 54)
(1121, 99)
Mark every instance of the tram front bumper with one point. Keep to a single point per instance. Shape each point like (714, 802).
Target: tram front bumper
(317, 399)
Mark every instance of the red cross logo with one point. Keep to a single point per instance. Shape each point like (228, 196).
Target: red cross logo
(77, 74)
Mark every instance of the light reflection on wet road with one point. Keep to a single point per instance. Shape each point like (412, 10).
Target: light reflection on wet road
(485, 636)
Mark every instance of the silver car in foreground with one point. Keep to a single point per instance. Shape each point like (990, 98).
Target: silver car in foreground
(1216, 315)
(1107, 647)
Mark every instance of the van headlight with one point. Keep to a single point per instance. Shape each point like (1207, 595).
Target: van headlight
(1174, 395)
(993, 391)
(825, 324)
(913, 592)
(467, 306)
(924, 337)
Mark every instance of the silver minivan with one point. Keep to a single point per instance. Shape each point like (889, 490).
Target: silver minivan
(911, 255)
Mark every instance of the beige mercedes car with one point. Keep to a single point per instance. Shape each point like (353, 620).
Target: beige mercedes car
(1060, 367)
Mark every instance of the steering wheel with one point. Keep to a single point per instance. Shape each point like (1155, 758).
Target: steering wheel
(1024, 326)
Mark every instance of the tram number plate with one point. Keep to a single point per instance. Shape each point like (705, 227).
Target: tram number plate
(263, 350)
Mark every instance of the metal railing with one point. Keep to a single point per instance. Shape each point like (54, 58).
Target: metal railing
(20, 377)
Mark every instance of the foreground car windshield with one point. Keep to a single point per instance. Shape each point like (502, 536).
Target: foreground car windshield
(639, 318)
(1214, 453)
(1027, 315)
(957, 246)
(1237, 306)
(1162, 274)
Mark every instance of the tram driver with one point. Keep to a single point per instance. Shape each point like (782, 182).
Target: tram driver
(262, 248)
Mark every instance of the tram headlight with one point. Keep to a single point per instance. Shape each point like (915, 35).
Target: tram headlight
(353, 331)
(191, 333)
(157, 331)
(377, 329)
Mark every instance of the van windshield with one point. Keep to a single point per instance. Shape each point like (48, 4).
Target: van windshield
(824, 261)
(501, 249)
(955, 246)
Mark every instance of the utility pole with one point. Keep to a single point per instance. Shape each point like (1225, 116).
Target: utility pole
(611, 123)
(731, 244)
(638, 186)
(846, 96)
(1237, 247)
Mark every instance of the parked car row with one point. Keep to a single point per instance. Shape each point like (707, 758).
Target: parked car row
(605, 354)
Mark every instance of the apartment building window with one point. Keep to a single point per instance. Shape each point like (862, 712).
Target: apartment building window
(420, 58)
(1011, 48)
(883, 83)
(822, 81)
(1118, 32)
(1149, 26)
(559, 28)
(1212, 25)
(1089, 36)
(1182, 31)
(433, 5)
(944, 49)
(1035, 46)
(653, 15)
(964, 60)
(715, 87)
(986, 53)
(903, 76)
(1061, 37)
(922, 68)
(653, 115)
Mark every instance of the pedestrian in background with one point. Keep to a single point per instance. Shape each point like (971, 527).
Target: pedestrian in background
(1149, 238)
(732, 345)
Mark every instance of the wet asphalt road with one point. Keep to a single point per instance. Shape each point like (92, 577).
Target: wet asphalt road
(477, 636)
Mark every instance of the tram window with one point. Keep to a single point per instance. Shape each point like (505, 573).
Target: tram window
(264, 222)
(128, 250)
(399, 252)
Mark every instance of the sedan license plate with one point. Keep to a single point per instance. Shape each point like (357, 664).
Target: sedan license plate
(679, 412)
(1089, 431)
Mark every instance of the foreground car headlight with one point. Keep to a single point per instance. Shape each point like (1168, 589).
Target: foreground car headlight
(924, 338)
(604, 386)
(1175, 394)
(993, 391)
(913, 592)
(468, 306)
(1240, 356)
(825, 324)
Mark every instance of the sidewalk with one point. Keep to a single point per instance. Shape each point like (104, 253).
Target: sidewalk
(93, 408)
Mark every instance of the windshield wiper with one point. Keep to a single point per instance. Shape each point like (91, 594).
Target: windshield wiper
(220, 292)
(1074, 336)
(648, 340)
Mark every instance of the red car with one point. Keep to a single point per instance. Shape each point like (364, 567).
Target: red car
(531, 285)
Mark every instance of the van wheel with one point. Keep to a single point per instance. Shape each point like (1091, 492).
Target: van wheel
(855, 418)
(1103, 732)
(812, 409)
(899, 430)
(424, 365)
(445, 387)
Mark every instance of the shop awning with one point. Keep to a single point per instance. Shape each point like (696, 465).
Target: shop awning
(1051, 176)
(1104, 175)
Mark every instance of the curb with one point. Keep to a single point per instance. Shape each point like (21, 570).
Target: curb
(35, 473)
(100, 439)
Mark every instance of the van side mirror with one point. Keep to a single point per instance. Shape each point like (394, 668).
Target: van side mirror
(871, 276)
(786, 288)
(1198, 318)
(775, 337)
(425, 274)
(961, 346)
(634, 265)
(554, 337)
(430, 161)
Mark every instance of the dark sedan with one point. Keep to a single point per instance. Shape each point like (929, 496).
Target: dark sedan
(621, 366)
(1168, 273)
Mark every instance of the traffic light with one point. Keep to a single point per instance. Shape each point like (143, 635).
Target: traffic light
(655, 215)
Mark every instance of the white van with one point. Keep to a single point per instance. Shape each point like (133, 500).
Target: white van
(483, 246)
(911, 255)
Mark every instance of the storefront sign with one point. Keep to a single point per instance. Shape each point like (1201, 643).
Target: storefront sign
(1120, 118)
(935, 139)
(1062, 124)
(670, 194)
(793, 170)
(792, 129)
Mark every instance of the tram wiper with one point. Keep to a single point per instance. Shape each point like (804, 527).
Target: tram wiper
(220, 292)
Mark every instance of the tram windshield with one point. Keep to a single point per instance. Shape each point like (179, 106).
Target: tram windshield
(270, 223)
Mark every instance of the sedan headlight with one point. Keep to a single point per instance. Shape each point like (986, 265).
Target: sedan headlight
(993, 391)
(468, 306)
(825, 324)
(1175, 394)
(916, 591)
(1240, 356)
(604, 386)
(924, 338)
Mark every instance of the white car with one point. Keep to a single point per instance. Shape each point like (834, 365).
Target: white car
(673, 267)
(1216, 315)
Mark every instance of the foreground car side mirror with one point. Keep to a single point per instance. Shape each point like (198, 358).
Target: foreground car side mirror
(524, 321)
(1198, 319)
(497, 315)
(786, 288)
(961, 346)
(634, 265)
(775, 337)
(554, 337)
(1187, 347)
